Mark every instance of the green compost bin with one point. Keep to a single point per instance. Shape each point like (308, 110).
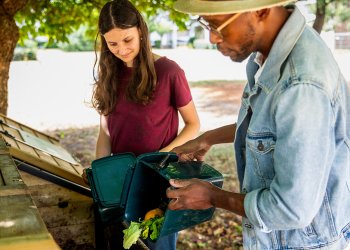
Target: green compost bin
(125, 187)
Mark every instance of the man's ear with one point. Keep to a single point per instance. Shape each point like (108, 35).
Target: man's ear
(262, 14)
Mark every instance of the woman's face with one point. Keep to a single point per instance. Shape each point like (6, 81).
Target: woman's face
(124, 43)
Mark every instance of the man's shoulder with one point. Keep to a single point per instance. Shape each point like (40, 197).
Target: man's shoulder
(311, 57)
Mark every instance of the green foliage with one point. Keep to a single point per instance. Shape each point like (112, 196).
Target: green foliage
(154, 7)
(342, 13)
(337, 11)
(57, 19)
(157, 44)
(78, 41)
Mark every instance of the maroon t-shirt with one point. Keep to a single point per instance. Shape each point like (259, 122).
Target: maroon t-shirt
(141, 128)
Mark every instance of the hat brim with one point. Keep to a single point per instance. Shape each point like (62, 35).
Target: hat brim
(210, 7)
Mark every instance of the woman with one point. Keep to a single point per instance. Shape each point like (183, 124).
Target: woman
(137, 93)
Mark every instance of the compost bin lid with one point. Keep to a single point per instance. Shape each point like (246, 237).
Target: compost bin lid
(40, 150)
(112, 176)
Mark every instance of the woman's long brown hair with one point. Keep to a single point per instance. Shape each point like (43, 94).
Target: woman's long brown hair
(122, 14)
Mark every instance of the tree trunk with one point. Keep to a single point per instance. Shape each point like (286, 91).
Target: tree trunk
(320, 15)
(9, 34)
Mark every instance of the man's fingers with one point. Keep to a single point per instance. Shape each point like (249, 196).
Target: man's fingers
(179, 183)
(185, 157)
(175, 191)
(175, 204)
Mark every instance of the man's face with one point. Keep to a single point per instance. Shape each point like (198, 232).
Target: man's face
(238, 38)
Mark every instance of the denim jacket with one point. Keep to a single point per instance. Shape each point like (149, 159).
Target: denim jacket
(292, 146)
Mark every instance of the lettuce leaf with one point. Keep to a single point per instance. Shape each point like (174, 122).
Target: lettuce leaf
(155, 227)
(145, 233)
(131, 234)
(148, 228)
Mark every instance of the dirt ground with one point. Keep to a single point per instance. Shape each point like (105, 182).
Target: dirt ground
(222, 98)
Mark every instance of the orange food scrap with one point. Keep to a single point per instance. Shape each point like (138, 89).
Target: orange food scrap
(153, 213)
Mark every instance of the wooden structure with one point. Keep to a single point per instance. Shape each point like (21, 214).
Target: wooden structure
(51, 178)
(40, 150)
(21, 226)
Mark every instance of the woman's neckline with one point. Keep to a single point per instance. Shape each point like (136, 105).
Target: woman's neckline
(156, 60)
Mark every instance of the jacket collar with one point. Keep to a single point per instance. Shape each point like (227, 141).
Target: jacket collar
(281, 48)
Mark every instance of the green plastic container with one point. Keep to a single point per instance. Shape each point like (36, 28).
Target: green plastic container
(125, 187)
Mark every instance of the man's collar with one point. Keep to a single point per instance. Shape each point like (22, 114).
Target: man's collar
(281, 48)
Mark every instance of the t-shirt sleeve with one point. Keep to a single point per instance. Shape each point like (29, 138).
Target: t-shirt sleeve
(181, 93)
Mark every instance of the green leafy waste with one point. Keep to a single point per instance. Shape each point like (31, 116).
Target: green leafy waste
(144, 229)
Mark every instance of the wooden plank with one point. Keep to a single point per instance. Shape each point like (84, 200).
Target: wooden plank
(19, 216)
(8, 191)
(46, 193)
(31, 180)
(9, 121)
(68, 215)
(13, 132)
(79, 169)
(58, 205)
(46, 157)
(9, 142)
(30, 242)
(21, 226)
(43, 154)
(3, 148)
(45, 165)
(8, 172)
(67, 165)
(59, 167)
(26, 148)
(24, 127)
(42, 136)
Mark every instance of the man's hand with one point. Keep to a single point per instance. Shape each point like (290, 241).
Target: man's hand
(191, 194)
(198, 195)
(192, 150)
(197, 148)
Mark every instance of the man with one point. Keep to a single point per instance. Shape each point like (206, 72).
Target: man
(292, 141)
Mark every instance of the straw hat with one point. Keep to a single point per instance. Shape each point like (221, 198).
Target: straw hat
(213, 7)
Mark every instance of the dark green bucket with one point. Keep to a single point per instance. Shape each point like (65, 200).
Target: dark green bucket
(125, 187)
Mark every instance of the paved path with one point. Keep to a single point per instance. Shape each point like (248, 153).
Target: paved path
(54, 91)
